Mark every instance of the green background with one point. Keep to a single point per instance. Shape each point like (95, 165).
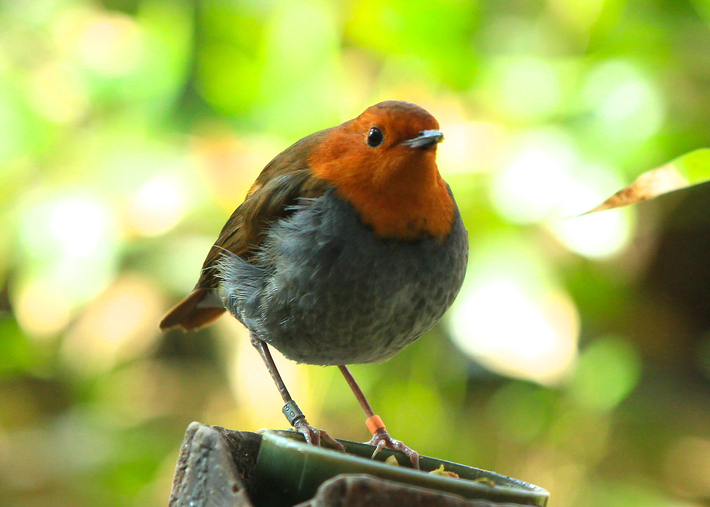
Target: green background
(577, 356)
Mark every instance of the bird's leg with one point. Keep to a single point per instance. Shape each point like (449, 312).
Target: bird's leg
(290, 409)
(380, 437)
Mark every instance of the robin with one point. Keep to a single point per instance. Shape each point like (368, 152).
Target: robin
(347, 248)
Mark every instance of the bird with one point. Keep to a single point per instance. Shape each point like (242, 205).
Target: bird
(347, 248)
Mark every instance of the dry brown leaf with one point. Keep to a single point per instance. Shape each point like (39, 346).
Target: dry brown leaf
(647, 186)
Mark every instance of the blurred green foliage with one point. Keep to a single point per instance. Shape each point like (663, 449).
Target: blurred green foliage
(578, 354)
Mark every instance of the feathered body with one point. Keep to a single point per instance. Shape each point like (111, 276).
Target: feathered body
(324, 289)
(342, 252)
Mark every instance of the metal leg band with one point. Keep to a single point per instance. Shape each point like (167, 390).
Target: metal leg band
(292, 412)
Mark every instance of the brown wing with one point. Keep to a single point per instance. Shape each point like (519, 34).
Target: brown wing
(285, 180)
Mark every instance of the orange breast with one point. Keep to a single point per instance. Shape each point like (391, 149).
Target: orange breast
(399, 192)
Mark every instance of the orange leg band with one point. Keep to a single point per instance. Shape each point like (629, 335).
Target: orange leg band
(374, 423)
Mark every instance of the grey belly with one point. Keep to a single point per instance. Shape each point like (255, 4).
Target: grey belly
(324, 290)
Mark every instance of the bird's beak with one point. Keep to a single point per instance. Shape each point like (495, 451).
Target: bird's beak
(425, 140)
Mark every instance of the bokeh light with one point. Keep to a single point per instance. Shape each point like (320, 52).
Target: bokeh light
(597, 235)
(623, 101)
(64, 239)
(606, 374)
(577, 354)
(539, 98)
(118, 325)
(511, 316)
(158, 205)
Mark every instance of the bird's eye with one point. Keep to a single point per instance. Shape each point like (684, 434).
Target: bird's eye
(375, 137)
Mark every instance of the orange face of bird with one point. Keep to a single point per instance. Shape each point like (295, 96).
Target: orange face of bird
(384, 163)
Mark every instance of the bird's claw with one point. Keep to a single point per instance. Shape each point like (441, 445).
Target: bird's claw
(314, 436)
(382, 439)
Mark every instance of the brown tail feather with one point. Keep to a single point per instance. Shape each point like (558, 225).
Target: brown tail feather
(188, 315)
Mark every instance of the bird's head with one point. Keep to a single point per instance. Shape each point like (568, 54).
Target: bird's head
(384, 163)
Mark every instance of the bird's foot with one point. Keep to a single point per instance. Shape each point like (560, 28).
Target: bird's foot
(382, 439)
(313, 436)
